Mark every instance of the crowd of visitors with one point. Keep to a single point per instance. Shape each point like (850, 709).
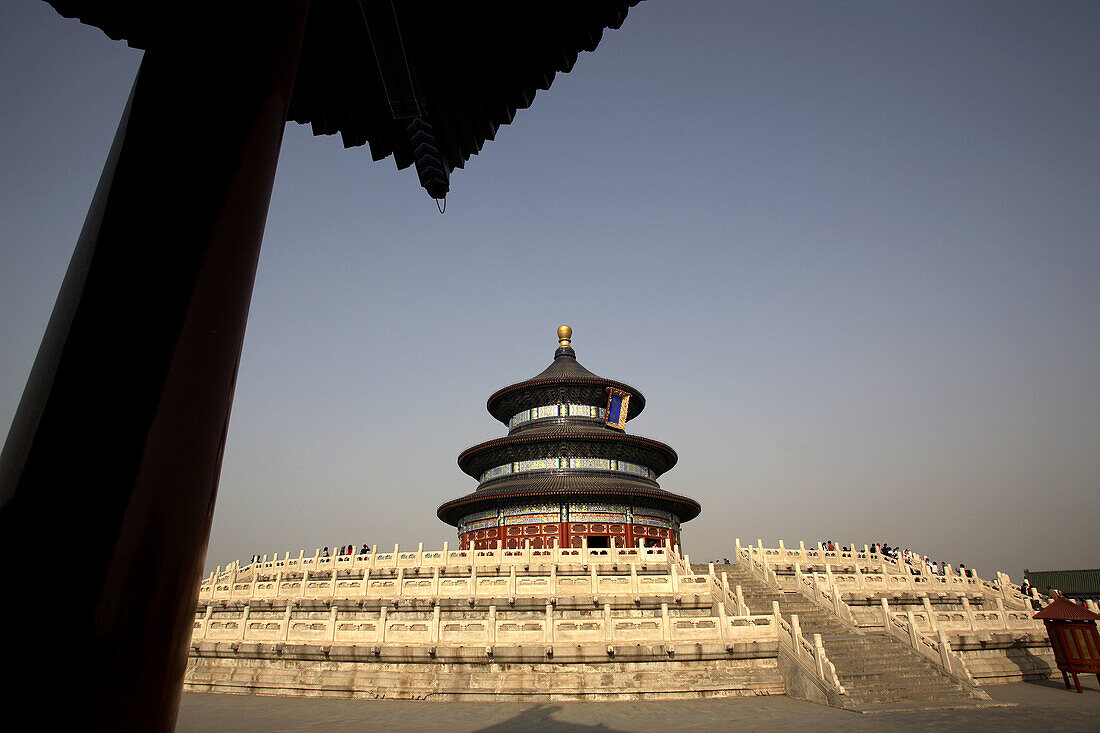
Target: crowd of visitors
(348, 550)
(917, 562)
(340, 551)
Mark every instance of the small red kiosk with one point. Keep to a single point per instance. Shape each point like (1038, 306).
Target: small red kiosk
(1073, 634)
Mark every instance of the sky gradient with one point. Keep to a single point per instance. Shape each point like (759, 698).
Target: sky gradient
(849, 252)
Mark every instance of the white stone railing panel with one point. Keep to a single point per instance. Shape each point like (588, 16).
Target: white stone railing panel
(464, 632)
(356, 631)
(418, 587)
(408, 631)
(579, 630)
(637, 629)
(521, 632)
(695, 629)
(532, 586)
(455, 587)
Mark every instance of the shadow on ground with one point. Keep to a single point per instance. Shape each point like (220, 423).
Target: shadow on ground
(541, 718)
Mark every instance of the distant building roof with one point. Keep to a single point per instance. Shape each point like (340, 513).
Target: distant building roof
(1070, 582)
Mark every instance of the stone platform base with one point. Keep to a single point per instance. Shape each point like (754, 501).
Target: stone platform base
(610, 680)
(1000, 658)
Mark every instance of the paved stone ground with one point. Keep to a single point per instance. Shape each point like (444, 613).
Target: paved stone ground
(1037, 706)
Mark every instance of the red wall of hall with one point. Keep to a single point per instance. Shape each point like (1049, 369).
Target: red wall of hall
(566, 534)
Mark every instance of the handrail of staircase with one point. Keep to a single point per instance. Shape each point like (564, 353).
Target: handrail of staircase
(731, 597)
(1007, 590)
(814, 588)
(809, 656)
(937, 650)
(754, 562)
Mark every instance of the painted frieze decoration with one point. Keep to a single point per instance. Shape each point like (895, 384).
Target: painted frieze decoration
(574, 463)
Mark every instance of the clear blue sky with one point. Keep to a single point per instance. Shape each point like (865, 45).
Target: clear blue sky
(850, 252)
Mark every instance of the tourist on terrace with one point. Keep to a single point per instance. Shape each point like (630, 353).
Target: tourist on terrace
(324, 552)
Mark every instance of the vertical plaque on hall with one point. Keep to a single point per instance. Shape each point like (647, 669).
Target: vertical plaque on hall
(618, 403)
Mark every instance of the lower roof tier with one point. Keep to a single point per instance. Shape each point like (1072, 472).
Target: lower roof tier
(568, 486)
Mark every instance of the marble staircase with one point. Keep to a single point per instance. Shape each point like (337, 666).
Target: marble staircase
(877, 671)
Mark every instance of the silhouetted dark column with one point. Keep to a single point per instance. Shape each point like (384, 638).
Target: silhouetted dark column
(109, 474)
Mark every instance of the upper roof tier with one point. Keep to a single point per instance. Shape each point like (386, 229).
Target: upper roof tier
(565, 381)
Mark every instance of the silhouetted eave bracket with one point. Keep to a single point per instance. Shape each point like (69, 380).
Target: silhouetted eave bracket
(472, 64)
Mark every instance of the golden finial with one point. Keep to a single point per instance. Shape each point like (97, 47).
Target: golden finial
(565, 333)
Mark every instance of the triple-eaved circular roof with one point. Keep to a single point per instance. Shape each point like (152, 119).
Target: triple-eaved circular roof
(614, 465)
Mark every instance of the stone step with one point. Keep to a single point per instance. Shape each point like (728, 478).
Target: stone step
(843, 645)
(873, 664)
(868, 653)
(906, 684)
(899, 676)
(808, 610)
(850, 638)
(858, 639)
(924, 691)
(814, 615)
(819, 624)
(873, 699)
(906, 707)
(864, 671)
(876, 653)
(871, 646)
(858, 673)
(853, 661)
(905, 691)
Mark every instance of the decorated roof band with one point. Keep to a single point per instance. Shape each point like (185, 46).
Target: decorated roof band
(567, 463)
(559, 410)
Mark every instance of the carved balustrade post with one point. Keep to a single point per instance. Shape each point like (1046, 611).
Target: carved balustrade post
(927, 604)
(819, 656)
(286, 619)
(914, 641)
(945, 649)
(969, 613)
(244, 623)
